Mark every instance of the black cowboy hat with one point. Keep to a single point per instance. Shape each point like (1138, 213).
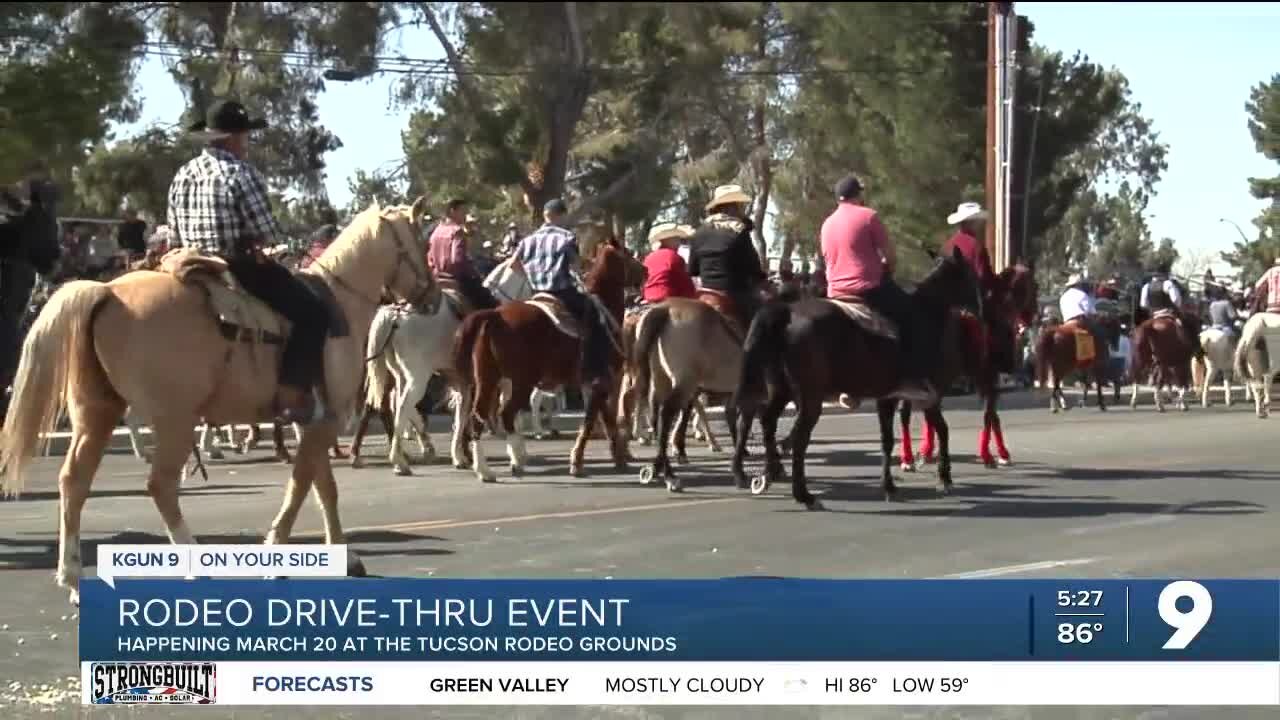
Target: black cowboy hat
(228, 117)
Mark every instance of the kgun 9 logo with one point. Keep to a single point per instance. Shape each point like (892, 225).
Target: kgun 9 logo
(1187, 625)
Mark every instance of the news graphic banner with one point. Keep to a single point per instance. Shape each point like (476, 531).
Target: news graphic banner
(745, 641)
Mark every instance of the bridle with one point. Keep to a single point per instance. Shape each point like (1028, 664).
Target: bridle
(424, 283)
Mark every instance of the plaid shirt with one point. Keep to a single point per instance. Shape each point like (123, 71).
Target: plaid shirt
(217, 201)
(1269, 283)
(549, 257)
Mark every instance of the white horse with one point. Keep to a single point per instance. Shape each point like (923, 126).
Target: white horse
(1261, 328)
(1219, 353)
(408, 348)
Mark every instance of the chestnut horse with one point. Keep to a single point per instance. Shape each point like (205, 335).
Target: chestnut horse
(813, 349)
(1164, 348)
(992, 347)
(519, 344)
(1063, 350)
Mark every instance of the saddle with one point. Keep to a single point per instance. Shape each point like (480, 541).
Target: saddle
(241, 316)
(559, 315)
(1166, 313)
(1085, 350)
(451, 293)
(865, 316)
(723, 304)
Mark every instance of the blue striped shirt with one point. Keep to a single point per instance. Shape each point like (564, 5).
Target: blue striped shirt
(549, 257)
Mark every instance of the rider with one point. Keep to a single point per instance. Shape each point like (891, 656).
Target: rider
(1076, 304)
(968, 239)
(549, 257)
(448, 256)
(1222, 313)
(667, 274)
(1161, 293)
(722, 255)
(860, 259)
(218, 203)
(1268, 287)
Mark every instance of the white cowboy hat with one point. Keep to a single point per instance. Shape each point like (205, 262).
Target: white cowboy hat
(470, 218)
(728, 195)
(1074, 279)
(966, 211)
(667, 231)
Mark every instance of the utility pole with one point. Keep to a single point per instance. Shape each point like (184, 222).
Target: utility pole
(1001, 45)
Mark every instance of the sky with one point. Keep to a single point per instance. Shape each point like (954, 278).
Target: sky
(1190, 66)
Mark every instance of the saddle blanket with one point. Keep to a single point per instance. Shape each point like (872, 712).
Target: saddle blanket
(1085, 351)
(559, 315)
(868, 319)
(1163, 313)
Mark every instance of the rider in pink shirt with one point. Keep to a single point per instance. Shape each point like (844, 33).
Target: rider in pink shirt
(860, 260)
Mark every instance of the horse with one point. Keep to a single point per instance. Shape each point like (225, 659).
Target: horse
(683, 347)
(1011, 306)
(28, 247)
(1256, 362)
(494, 351)
(1163, 349)
(182, 345)
(1219, 354)
(818, 348)
(1064, 349)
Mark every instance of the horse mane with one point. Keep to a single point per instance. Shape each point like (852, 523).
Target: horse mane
(365, 224)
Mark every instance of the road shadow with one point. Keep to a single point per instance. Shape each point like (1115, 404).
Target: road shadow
(42, 553)
(190, 489)
(1038, 469)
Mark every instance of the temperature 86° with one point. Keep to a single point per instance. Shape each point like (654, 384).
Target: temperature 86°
(1082, 633)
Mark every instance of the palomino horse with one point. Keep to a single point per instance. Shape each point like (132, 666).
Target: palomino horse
(1163, 349)
(1258, 357)
(1010, 306)
(518, 346)
(805, 351)
(683, 347)
(1219, 355)
(152, 341)
(1066, 349)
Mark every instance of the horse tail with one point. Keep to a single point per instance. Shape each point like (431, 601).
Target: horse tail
(57, 351)
(476, 335)
(378, 364)
(465, 342)
(762, 350)
(1044, 356)
(651, 327)
(1248, 337)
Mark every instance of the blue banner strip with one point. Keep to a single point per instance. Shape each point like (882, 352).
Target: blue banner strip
(742, 619)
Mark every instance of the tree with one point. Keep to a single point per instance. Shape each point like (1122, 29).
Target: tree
(61, 85)
(1164, 255)
(1254, 257)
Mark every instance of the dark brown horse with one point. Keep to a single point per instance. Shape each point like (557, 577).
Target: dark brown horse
(812, 349)
(991, 348)
(518, 344)
(1163, 348)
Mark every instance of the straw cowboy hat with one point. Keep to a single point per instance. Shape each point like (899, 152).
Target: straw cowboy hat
(224, 119)
(1074, 279)
(668, 231)
(728, 195)
(966, 211)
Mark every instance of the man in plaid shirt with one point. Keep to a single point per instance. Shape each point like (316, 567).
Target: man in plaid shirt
(218, 203)
(549, 257)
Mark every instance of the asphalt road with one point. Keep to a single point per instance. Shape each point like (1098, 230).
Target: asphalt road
(1117, 494)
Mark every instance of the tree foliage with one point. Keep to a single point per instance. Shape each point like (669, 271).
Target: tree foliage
(1255, 256)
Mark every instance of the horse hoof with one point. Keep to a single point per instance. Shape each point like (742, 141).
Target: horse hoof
(490, 478)
(403, 471)
(553, 435)
(357, 462)
(74, 597)
(908, 467)
(891, 496)
(759, 484)
(517, 471)
(682, 459)
(355, 568)
(814, 505)
(576, 471)
(944, 488)
(1004, 462)
(674, 485)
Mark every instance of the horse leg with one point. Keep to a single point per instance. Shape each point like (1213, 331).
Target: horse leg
(993, 420)
(91, 428)
(596, 394)
(773, 470)
(1099, 379)
(666, 412)
(884, 413)
(277, 439)
(927, 437)
(679, 438)
(704, 425)
(412, 388)
(172, 446)
(934, 414)
(904, 418)
(1226, 386)
(1159, 388)
(1137, 383)
(312, 450)
(746, 414)
(362, 427)
(516, 451)
(208, 441)
(808, 410)
(461, 426)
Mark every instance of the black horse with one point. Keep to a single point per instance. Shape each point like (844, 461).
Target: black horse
(811, 350)
(28, 245)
